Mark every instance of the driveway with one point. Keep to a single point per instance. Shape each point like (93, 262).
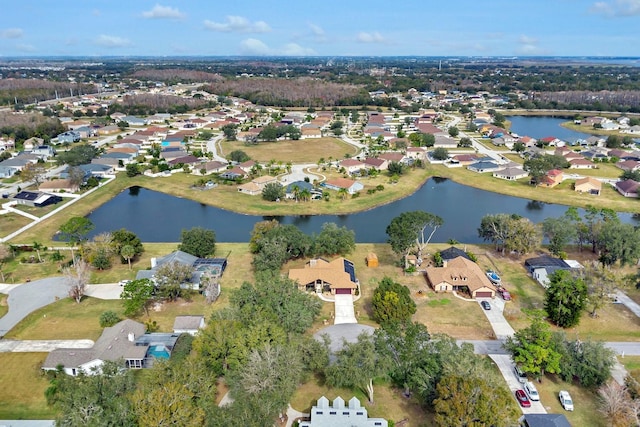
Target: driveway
(104, 291)
(628, 302)
(41, 346)
(338, 334)
(29, 297)
(344, 310)
(504, 363)
(501, 328)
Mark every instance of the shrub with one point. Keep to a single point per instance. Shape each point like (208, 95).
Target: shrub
(109, 318)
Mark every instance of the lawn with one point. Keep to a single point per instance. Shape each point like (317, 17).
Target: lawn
(40, 212)
(585, 402)
(11, 222)
(3, 305)
(301, 151)
(23, 386)
(388, 402)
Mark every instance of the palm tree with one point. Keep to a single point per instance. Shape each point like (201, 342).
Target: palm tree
(305, 194)
(37, 246)
(127, 252)
(295, 189)
(343, 193)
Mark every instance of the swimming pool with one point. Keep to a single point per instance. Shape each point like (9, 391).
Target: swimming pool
(159, 352)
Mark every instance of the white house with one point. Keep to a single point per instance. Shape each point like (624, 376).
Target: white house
(340, 415)
(188, 324)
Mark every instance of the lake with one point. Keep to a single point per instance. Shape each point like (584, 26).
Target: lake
(158, 217)
(541, 127)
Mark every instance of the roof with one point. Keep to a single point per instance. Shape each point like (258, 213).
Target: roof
(265, 179)
(177, 256)
(546, 261)
(302, 185)
(250, 187)
(340, 182)
(628, 186)
(460, 272)
(452, 253)
(188, 322)
(351, 162)
(590, 181)
(392, 156)
(546, 420)
(339, 273)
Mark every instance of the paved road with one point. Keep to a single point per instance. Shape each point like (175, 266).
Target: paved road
(505, 365)
(30, 297)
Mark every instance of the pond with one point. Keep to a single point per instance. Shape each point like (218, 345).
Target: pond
(541, 127)
(157, 217)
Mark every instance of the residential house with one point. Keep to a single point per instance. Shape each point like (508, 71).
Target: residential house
(581, 163)
(319, 275)
(211, 266)
(464, 159)
(188, 324)
(58, 185)
(484, 166)
(9, 167)
(248, 165)
(511, 173)
(31, 143)
(43, 152)
(588, 185)
(543, 266)
(7, 144)
(460, 274)
(352, 165)
(126, 341)
(552, 178)
(233, 173)
(108, 130)
(214, 166)
(184, 160)
(36, 198)
(324, 414)
(394, 156)
(68, 137)
(135, 121)
(627, 187)
(337, 184)
(170, 153)
(452, 253)
(545, 420)
(444, 141)
(124, 157)
(256, 185)
(628, 165)
(376, 163)
(310, 131)
(412, 153)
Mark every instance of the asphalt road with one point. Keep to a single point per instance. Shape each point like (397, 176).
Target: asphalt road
(30, 297)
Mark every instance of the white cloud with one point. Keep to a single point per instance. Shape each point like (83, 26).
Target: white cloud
(616, 8)
(524, 39)
(294, 49)
(374, 37)
(254, 47)
(237, 24)
(111, 41)
(258, 47)
(163, 12)
(11, 33)
(529, 46)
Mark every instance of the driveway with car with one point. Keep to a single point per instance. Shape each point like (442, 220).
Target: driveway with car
(505, 364)
(501, 328)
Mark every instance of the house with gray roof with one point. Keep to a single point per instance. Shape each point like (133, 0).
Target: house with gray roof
(353, 414)
(210, 266)
(9, 167)
(188, 324)
(511, 173)
(484, 166)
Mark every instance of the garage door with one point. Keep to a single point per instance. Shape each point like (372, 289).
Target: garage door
(343, 291)
(483, 295)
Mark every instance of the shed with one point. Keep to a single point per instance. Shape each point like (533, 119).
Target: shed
(372, 260)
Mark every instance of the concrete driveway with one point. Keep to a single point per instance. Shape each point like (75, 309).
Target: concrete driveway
(504, 363)
(344, 310)
(628, 302)
(104, 291)
(501, 328)
(29, 297)
(41, 346)
(338, 334)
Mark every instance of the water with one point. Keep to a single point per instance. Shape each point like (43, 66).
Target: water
(542, 127)
(159, 352)
(157, 217)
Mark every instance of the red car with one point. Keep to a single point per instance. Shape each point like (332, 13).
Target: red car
(522, 399)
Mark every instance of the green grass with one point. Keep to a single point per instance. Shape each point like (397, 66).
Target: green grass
(585, 402)
(12, 222)
(23, 386)
(439, 302)
(301, 151)
(3, 305)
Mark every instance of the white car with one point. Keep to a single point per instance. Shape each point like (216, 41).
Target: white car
(565, 400)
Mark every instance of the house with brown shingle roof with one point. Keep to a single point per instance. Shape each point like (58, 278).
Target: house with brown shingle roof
(460, 274)
(581, 163)
(628, 188)
(393, 156)
(628, 165)
(58, 185)
(337, 184)
(552, 178)
(352, 165)
(376, 163)
(320, 275)
(588, 185)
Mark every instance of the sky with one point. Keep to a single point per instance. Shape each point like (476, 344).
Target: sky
(30, 28)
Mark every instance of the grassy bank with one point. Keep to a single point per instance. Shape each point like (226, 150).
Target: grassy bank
(300, 151)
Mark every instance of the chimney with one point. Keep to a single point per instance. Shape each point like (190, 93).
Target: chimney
(132, 337)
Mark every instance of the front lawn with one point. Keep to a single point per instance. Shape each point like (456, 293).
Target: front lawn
(23, 386)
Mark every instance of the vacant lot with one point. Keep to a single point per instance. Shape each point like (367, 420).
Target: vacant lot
(301, 151)
(12, 222)
(23, 386)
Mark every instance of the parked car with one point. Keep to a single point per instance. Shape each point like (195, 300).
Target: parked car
(504, 294)
(565, 400)
(531, 390)
(520, 375)
(522, 399)
(485, 305)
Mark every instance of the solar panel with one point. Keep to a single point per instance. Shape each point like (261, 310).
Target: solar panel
(349, 268)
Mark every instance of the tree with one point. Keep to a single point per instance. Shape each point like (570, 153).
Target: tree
(409, 228)
(532, 349)
(132, 169)
(565, 298)
(601, 282)
(619, 242)
(170, 277)
(109, 318)
(465, 142)
(613, 141)
(392, 303)
(95, 399)
(198, 241)
(127, 252)
(37, 246)
(76, 176)
(123, 237)
(5, 253)
(230, 131)
(396, 168)
(590, 362)
(168, 404)
(273, 192)
(334, 240)
(510, 232)
(34, 172)
(538, 166)
(356, 365)
(453, 131)
(560, 232)
(466, 402)
(77, 278)
(78, 155)
(617, 405)
(136, 296)
(260, 229)
(239, 156)
(440, 153)
(75, 230)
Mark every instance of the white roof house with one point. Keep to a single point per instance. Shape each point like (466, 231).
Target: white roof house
(338, 415)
